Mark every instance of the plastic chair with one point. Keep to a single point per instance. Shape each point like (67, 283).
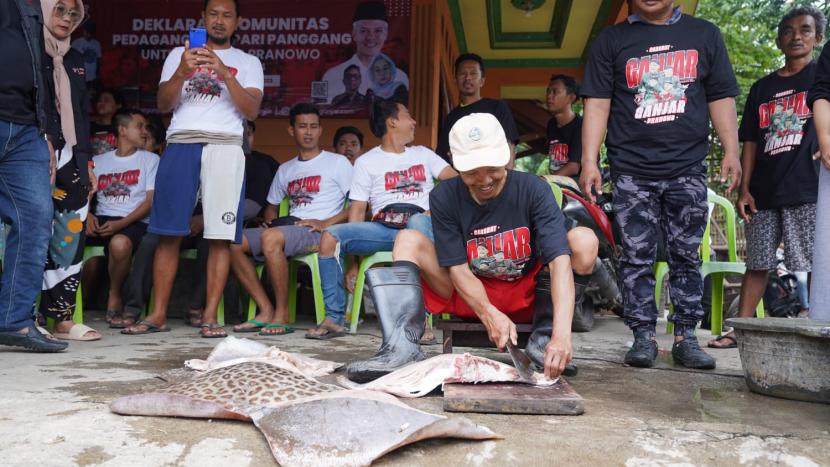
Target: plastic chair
(381, 257)
(557, 191)
(716, 269)
(312, 261)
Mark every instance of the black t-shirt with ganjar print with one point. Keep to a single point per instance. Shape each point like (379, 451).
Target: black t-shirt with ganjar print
(564, 143)
(778, 120)
(503, 238)
(660, 79)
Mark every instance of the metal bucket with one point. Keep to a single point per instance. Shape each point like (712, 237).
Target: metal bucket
(783, 357)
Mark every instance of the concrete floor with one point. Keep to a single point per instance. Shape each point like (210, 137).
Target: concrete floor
(54, 411)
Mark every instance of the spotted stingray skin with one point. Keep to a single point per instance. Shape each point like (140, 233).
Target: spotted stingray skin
(251, 383)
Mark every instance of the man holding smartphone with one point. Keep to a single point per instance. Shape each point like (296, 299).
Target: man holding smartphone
(211, 91)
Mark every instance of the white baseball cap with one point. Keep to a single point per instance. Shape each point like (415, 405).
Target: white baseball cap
(478, 140)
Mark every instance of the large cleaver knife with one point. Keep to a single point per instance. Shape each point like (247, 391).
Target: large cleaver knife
(521, 361)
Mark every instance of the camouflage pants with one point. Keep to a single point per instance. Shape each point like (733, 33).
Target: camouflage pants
(678, 207)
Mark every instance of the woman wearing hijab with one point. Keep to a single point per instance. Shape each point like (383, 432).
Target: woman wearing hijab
(74, 182)
(383, 86)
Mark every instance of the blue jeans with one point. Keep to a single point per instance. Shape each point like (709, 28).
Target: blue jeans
(801, 279)
(26, 209)
(358, 238)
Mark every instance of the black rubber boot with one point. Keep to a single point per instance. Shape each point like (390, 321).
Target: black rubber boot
(644, 350)
(583, 317)
(542, 327)
(689, 354)
(399, 303)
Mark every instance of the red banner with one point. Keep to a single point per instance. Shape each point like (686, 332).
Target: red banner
(311, 50)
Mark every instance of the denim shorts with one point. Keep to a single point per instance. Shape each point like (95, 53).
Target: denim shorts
(299, 240)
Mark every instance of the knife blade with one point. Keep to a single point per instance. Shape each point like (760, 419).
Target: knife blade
(521, 361)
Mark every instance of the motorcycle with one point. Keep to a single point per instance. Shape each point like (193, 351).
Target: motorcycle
(603, 291)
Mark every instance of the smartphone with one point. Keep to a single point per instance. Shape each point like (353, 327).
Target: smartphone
(198, 38)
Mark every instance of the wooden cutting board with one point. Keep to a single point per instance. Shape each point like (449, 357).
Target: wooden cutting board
(559, 399)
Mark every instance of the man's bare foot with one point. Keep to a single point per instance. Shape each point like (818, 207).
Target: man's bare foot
(253, 325)
(212, 330)
(145, 326)
(276, 329)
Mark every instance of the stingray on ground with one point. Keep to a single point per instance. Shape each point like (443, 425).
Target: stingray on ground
(232, 350)
(421, 378)
(353, 428)
(231, 392)
(306, 422)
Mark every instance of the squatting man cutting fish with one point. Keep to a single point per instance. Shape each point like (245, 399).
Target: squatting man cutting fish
(501, 255)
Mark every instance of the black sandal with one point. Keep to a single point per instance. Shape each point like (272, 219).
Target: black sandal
(124, 321)
(727, 346)
(193, 318)
(330, 334)
(111, 315)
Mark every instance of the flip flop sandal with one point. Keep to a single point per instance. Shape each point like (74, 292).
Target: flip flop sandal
(151, 328)
(78, 332)
(257, 326)
(193, 318)
(328, 335)
(207, 327)
(286, 330)
(126, 320)
(727, 346)
(111, 314)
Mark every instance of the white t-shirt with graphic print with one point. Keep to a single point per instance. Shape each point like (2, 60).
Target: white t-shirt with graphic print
(382, 178)
(123, 182)
(316, 189)
(205, 103)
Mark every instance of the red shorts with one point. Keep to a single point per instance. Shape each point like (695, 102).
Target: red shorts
(515, 298)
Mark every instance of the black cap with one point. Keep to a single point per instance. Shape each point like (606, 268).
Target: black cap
(370, 10)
